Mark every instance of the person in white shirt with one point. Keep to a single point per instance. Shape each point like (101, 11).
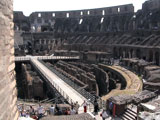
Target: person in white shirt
(51, 109)
(41, 111)
(72, 111)
(76, 106)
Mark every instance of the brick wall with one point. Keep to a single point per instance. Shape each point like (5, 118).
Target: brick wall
(8, 92)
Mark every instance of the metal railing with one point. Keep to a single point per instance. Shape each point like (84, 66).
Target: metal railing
(56, 57)
(22, 58)
(27, 58)
(83, 92)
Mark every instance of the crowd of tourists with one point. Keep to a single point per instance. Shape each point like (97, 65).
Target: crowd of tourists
(36, 113)
(40, 111)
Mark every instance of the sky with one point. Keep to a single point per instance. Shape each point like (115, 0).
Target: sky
(29, 6)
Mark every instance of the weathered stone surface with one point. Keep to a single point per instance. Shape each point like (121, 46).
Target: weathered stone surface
(7, 83)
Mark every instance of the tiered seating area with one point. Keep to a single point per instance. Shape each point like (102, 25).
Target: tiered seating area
(119, 39)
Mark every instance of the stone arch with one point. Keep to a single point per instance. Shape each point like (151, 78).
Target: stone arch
(157, 58)
(115, 52)
(150, 56)
(120, 52)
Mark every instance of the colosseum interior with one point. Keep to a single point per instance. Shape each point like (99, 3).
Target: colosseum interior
(118, 50)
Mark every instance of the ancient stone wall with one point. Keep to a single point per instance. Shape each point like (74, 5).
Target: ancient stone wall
(8, 92)
(78, 75)
(108, 19)
(32, 84)
(129, 8)
(102, 80)
(151, 5)
(68, 21)
(21, 21)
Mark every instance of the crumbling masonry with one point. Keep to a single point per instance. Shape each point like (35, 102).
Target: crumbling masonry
(8, 92)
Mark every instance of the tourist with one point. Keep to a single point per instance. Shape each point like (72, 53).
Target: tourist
(66, 112)
(58, 111)
(52, 110)
(72, 105)
(31, 111)
(27, 114)
(23, 113)
(89, 104)
(104, 115)
(76, 106)
(72, 111)
(85, 104)
(110, 107)
(56, 107)
(41, 111)
(96, 107)
(19, 107)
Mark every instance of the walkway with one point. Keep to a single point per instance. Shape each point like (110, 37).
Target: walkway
(134, 83)
(66, 91)
(27, 58)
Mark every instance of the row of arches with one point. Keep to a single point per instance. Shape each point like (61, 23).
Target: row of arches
(149, 55)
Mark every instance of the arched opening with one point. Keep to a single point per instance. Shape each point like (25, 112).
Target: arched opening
(131, 53)
(131, 65)
(127, 53)
(150, 56)
(157, 58)
(115, 52)
(138, 53)
(120, 53)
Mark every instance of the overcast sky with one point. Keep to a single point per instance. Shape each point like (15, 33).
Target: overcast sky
(29, 6)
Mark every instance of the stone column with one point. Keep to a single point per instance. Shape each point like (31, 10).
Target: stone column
(45, 41)
(129, 54)
(8, 91)
(154, 57)
(134, 54)
(40, 42)
(134, 25)
(49, 41)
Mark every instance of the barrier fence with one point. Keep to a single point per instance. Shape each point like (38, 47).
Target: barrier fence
(28, 58)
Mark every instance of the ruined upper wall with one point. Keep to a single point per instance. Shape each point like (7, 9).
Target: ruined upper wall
(8, 93)
(108, 19)
(21, 21)
(38, 19)
(151, 5)
(129, 8)
(18, 15)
